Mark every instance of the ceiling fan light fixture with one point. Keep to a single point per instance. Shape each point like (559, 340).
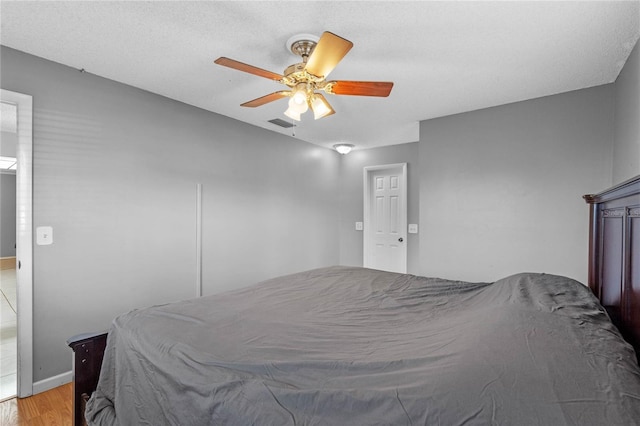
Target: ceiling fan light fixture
(343, 148)
(299, 101)
(299, 97)
(298, 107)
(320, 107)
(292, 114)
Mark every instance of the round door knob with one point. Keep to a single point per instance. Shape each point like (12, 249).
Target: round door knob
(400, 239)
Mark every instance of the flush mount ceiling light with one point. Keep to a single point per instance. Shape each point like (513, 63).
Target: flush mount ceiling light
(343, 148)
(319, 58)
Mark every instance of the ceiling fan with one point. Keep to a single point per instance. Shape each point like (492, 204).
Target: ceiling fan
(307, 78)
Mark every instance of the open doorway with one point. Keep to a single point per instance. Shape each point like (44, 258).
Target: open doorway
(19, 297)
(8, 243)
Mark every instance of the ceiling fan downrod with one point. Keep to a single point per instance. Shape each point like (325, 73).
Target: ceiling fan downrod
(303, 48)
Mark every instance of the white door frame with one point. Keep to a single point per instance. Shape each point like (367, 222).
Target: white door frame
(367, 209)
(24, 230)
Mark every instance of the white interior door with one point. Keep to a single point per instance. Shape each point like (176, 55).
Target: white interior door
(385, 218)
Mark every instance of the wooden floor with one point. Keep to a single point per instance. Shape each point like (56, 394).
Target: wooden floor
(51, 408)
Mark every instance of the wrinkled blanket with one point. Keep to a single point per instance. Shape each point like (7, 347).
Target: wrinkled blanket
(354, 346)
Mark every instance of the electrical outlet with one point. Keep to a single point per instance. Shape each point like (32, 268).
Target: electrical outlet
(359, 226)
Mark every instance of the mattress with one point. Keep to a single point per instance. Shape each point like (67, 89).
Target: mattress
(355, 346)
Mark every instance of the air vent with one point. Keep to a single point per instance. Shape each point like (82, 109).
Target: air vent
(281, 123)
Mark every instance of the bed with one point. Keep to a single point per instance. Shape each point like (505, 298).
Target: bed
(345, 345)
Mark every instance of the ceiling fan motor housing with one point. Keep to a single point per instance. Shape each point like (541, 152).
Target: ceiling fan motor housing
(295, 68)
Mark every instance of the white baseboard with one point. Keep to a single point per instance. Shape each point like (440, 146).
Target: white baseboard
(52, 382)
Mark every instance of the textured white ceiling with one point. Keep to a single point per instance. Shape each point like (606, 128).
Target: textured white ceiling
(444, 57)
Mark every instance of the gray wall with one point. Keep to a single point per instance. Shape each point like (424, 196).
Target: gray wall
(7, 215)
(500, 188)
(115, 174)
(352, 199)
(626, 149)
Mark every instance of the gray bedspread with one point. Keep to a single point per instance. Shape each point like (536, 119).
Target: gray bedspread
(353, 346)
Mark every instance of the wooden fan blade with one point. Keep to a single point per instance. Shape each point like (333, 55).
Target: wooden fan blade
(266, 99)
(328, 52)
(248, 68)
(362, 88)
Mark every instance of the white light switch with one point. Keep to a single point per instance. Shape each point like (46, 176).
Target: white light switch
(358, 226)
(413, 228)
(44, 235)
